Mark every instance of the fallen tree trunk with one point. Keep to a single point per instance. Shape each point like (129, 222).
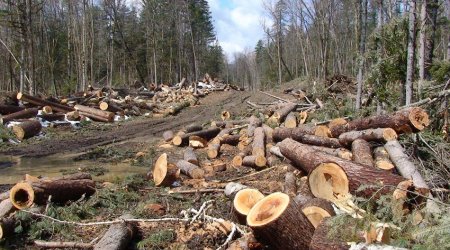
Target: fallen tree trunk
(290, 184)
(95, 113)
(381, 158)
(276, 221)
(378, 134)
(214, 146)
(118, 236)
(190, 169)
(254, 122)
(321, 240)
(280, 134)
(9, 109)
(192, 128)
(331, 177)
(40, 102)
(404, 121)
(254, 161)
(189, 156)
(207, 134)
(258, 144)
(25, 194)
(23, 114)
(7, 226)
(291, 121)
(281, 113)
(27, 129)
(62, 245)
(110, 106)
(362, 152)
(243, 202)
(6, 207)
(164, 173)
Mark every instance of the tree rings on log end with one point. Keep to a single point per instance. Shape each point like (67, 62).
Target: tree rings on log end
(317, 209)
(328, 181)
(267, 209)
(389, 134)
(22, 195)
(243, 202)
(419, 118)
(322, 131)
(164, 174)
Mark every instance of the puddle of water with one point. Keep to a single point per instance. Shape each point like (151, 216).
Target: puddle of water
(13, 169)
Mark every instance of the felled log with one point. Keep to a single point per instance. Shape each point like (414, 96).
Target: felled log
(225, 115)
(321, 240)
(276, 221)
(229, 123)
(377, 134)
(192, 128)
(27, 129)
(258, 144)
(118, 235)
(9, 109)
(7, 226)
(174, 109)
(216, 166)
(168, 135)
(254, 161)
(73, 116)
(207, 134)
(290, 184)
(232, 188)
(110, 106)
(164, 173)
(281, 113)
(25, 194)
(23, 114)
(6, 207)
(362, 152)
(47, 110)
(95, 114)
(291, 121)
(268, 134)
(197, 142)
(339, 152)
(230, 139)
(189, 156)
(254, 122)
(214, 146)
(40, 102)
(239, 158)
(317, 209)
(280, 134)
(62, 245)
(404, 121)
(381, 158)
(331, 176)
(190, 169)
(53, 117)
(243, 202)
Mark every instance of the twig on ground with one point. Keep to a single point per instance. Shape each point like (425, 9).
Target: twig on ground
(252, 174)
(194, 191)
(62, 244)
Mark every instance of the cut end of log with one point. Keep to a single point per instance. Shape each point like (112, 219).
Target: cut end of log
(337, 122)
(268, 209)
(322, 131)
(328, 181)
(19, 132)
(104, 106)
(22, 195)
(419, 118)
(19, 95)
(47, 110)
(197, 142)
(177, 140)
(164, 174)
(237, 161)
(225, 115)
(245, 199)
(389, 134)
(384, 164)
(315, 214)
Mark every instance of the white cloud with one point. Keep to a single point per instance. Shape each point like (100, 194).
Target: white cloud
(237, 23)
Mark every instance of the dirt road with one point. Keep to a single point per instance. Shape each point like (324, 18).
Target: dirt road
(209, 108)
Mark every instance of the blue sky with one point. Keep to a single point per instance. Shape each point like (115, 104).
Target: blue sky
(238, 23)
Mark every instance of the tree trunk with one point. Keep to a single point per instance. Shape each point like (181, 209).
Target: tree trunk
(164, 173)
(290, 184)
(190, 169)
(24, 114)
(6, 207)
(291, 121)
(316, 210)
(254, 161)
(95, 113)
(362, 152)
(180, 140)
(362, 50)
(378, 134)
(258, 144)
(243, 202)
(40, 102)
(298, 135)
(118, 236)
(422, 44)
(27, 129)
(9, 109)
(410, 60)
(321, 240)
(189, 156)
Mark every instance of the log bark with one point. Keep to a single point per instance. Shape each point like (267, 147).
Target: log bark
(381, 158)
(168, 135)
(25, 194)
(110, 106)
(268, 133)
(118, 236)
(321, 241)
(62, 245)
(290, 184)
(40, 102)
(254, 122)
(276, 221)
(331, 176)
(9, 109)
(53, 117)
(27, 129)
(339, 152)
(403, 121)
(4, 196)
(362, 152)
(189, 156)
(95, 114)
(6, 207)
(254, 161)
(230, 139)
(243, 202)
(192, 128)
(291, 121)
(190, 169)
(280, 114)
(7, 226)
(23, 114)
(229, 123)
(164, 173)
(258, 144)
(297, 134)
(378, 134)
(207, 134)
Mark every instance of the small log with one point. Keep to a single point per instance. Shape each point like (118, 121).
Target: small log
(362, 152)
(207, 134)
(95, 114)
(197, 142)
(216, 166)
(239, 158)
(110, 106)
(258, 144)
(381, 157)
(403, 121)
(9, 109)
(6, 207)
(190, 169)
(268, 133)
(47, 110)
(279, 115)
(243, 202)
(168, 135)
(321, 240)
(290, 184)
(40, 102)
(229, 123)
(25, 194)
(7, 226)
(276, 221)
(192, 128)
(298, 134)
(331, 177)
(291, 121)
(73, 116)
(53, 117)
(4, 196)
(27, 129)
(23, 114)
(62, 244)
(164, 173)
(378, 134)
(174, 109)
(230, 139)
(254, 161)
(189, 156)
(317, 209)
(254, 122)
(118, 236)
(339, 152)
(214, 146)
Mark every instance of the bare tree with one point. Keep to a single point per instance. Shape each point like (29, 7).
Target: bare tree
(362, 48)
(410, 60)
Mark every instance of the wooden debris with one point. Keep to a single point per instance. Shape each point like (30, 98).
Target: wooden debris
(243, 202)
(27, 129)
(190, 169)
(164, 173)
(378, 134)
(118, 236)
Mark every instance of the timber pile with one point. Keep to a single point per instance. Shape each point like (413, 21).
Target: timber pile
(338, 159)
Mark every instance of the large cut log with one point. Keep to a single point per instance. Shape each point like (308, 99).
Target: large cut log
(243, 202)
(377, 134)
(207, 134)
(258, 144)
(253, 123)
(290, 184)
(189, 156)
(27, 129)
(95, 113)
(280, 134)
(164, 173)
(7, 226)
(25, 194)
(281, 113)
(362, 152)
(404, 121)
(321, 239)
(291, 121)
(40, 102)
(317, 209)
(229, 123)
(9, 109)
(276, 221)
(254, 161)
(214, 146)
(190, 169)
(110, 106)
(192, 128)
(6, 207)
(331, 176)
(23, 114)
(118, 236)
(381, 158)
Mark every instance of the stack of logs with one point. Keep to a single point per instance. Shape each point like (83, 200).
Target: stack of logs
(338, 159)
